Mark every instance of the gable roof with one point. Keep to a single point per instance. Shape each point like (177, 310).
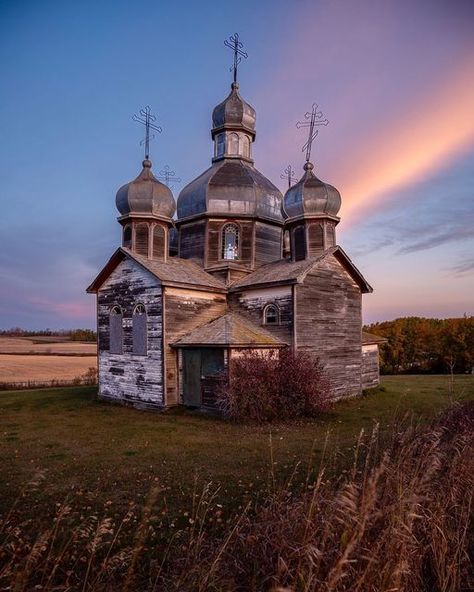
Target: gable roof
(285, 271)
(230, 329)
(175, 272)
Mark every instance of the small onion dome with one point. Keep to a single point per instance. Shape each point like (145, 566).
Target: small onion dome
(311, 196)
(146, 195)
(234, 113)
(231, 188)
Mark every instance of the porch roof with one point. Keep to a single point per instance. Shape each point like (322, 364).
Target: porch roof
(229, 330)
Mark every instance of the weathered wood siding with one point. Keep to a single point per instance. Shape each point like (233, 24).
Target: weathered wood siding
(268, 245)
(252, 302)
(184, 311)
(370, 366)
(191, 241)
(128, 378)
(329, 322)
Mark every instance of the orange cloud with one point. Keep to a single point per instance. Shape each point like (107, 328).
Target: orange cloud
(412, 146)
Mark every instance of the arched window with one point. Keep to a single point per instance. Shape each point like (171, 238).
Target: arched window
(116, 330)
(220, 145)
(271, 315)
(230, 242)
(127, 236)
(158, 242)
(139, 330)
(233, 147)
(316, 237)
(141, 239)
(245, 147)
(299, 243)
(330, 235)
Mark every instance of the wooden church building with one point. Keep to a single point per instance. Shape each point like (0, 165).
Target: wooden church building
(232, 265)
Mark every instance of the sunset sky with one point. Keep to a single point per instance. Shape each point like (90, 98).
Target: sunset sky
(395, 79)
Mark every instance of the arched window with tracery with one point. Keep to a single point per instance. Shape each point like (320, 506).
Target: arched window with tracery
(271, 315)
(141, 239)
(127, 236)
(139, 331)
(230, 242)
(233, 144)
(116, 330)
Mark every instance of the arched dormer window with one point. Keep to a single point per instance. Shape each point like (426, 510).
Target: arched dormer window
(141, 239)
(271, 315)
(139, 331)
(245, 147)
(127, 236)
(116, 330)
(230, 242)
(220, 145)
(233, 144)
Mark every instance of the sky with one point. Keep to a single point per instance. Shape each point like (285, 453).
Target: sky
(395, 79)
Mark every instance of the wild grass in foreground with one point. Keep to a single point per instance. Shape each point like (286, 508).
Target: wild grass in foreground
(400, 517)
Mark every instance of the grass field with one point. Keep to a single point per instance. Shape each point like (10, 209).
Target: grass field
(102, 454)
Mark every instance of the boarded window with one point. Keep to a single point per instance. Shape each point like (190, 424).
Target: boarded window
(127, 236)
(140, 330)
(299, 243)
(316, 238)
(230, 242)
(233, 146)
(158, 242)
(141, 239)
(271, 315)
(116, 330)
(330, 235)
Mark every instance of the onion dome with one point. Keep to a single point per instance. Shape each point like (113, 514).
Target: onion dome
(146, 196)
(231, 187)
(234, 113)
(311, 197)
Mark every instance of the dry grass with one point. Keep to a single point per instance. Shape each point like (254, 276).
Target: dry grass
(22, 368)
(37, 345)
(398, 517)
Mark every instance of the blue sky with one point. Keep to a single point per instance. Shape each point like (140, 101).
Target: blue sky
(395, 79)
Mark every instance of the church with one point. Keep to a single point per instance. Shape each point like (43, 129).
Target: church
(232, 265)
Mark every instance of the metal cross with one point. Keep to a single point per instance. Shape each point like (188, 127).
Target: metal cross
(146, 118)
(236, 46)
(288, 174)
(313, 119)
(168, 175)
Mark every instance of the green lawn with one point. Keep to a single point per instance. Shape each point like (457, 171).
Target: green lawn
(111, 454)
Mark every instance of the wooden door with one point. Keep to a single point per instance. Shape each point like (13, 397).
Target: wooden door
(192, 377)
(200, 368)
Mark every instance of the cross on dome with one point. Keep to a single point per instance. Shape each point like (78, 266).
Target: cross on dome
(236, 46)
(313, 119)
(146, 118)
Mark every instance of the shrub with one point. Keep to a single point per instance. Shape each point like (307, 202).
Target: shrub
(262, 387)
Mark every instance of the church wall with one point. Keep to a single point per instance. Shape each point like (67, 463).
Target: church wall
(184, 311)
(127, 378)
(328, 324)
(251, 304)
(370, 366)
(192, 238)
(267, 243)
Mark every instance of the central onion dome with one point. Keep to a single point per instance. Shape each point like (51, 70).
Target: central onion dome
(234, 113)
(146, 196)
(311, 197)
(232, 186)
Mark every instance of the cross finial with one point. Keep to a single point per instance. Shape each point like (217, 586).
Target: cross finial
(146, 118)
(236, 46)
(313, 119)
(288, 174)
(168, 175)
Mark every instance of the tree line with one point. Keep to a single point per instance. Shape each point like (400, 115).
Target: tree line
(421, 345)
(72, 334)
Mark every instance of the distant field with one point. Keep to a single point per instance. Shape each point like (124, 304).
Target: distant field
(25, 359)
(22, 368)
(45, 345)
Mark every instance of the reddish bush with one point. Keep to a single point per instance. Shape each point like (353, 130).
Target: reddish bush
(273, 385)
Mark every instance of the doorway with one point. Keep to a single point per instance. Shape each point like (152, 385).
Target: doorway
(201, 366)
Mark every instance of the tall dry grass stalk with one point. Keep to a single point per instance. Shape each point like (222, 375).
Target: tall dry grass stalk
(398, 518)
